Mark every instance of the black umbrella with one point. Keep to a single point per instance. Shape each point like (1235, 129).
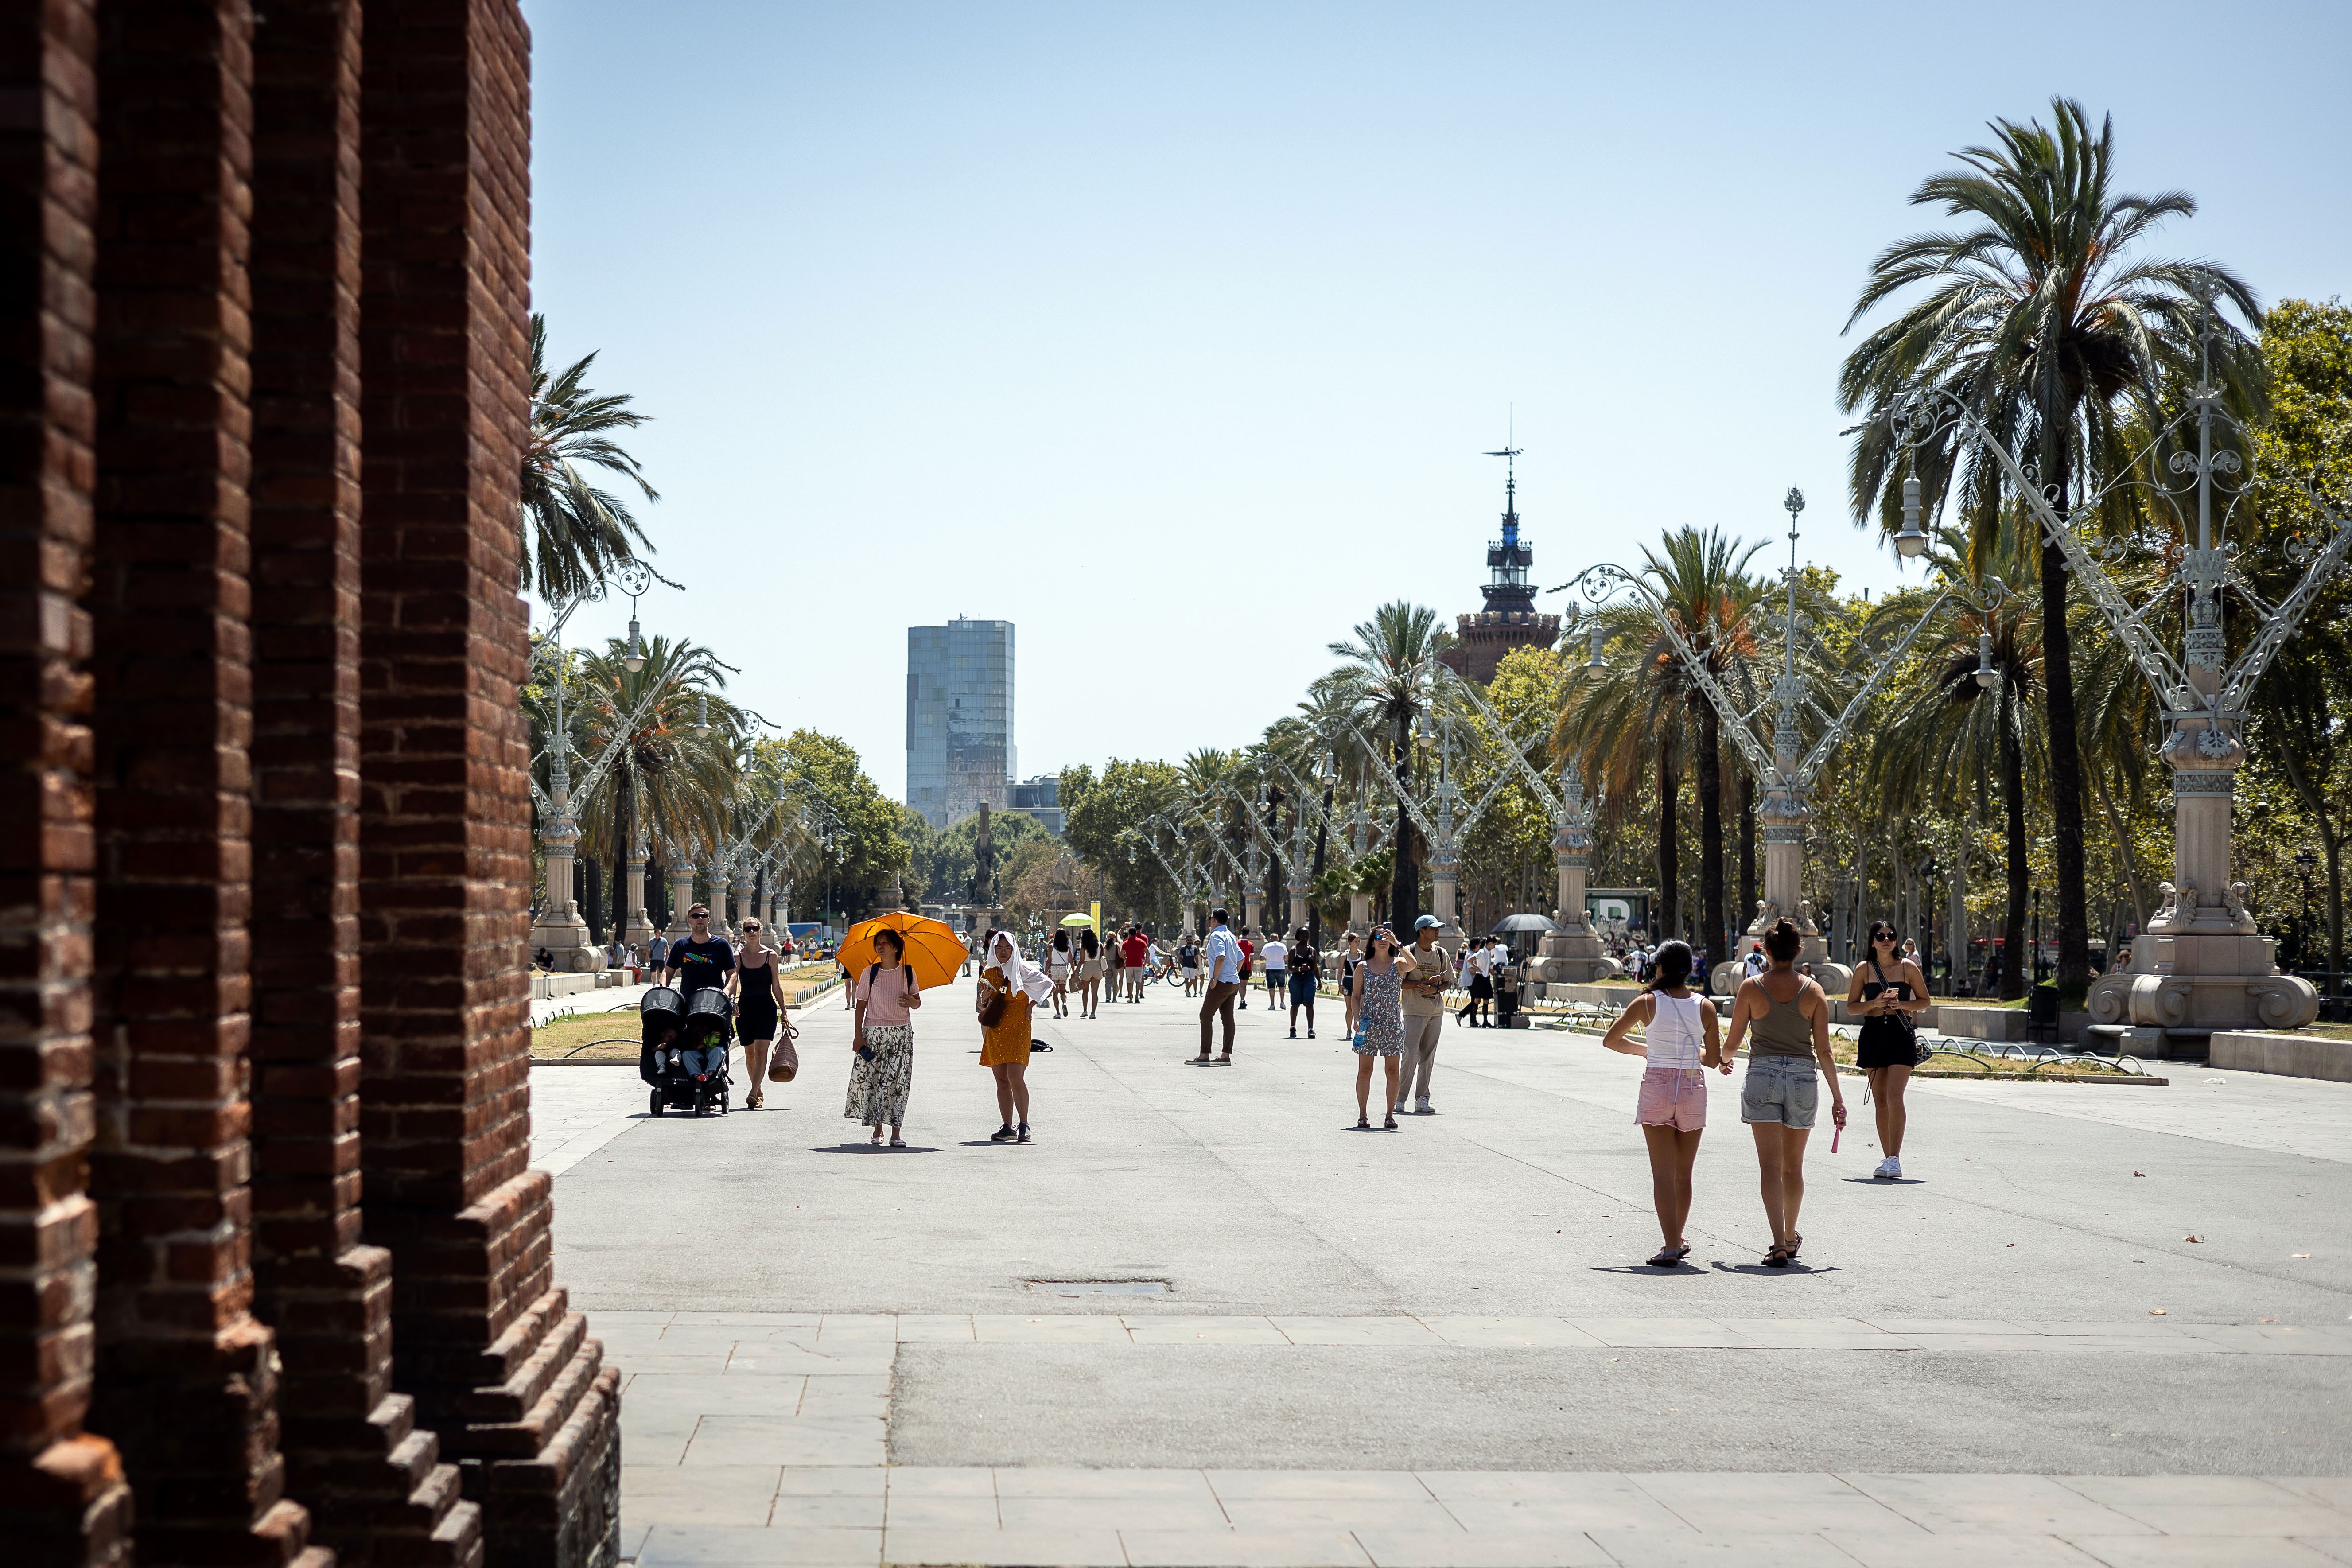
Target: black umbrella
(1514, 925)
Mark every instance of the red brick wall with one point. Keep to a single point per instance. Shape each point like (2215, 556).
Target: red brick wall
(62, 1499)
(186, 1376)
(373, 1481)
(497, 1363)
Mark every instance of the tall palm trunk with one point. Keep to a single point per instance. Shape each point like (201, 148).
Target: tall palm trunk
(2065, 750)
(1669, 915)
(1404, 879)
(2014, 969)
(1712, 933)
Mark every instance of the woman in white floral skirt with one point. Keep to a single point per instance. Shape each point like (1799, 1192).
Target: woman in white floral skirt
(883, 1041)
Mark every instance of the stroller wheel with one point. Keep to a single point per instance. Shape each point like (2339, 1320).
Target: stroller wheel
(700, 1104)
(658, 1102)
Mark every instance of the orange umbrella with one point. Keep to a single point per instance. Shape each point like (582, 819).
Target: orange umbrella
(934, 950)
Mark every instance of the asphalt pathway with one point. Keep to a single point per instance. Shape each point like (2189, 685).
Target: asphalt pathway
(2073, 1282)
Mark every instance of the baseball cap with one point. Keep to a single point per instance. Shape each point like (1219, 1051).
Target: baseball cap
(1427, 922)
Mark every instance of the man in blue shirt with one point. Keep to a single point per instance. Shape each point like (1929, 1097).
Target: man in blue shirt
(1220, 957)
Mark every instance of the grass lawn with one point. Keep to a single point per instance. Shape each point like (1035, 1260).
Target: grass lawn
(577, 1036)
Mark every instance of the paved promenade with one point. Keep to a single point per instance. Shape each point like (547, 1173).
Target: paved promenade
(1202, 1321)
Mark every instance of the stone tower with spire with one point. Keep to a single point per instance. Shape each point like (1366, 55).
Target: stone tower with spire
(1510, 618)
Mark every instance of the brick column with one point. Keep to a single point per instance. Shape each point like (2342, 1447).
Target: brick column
(186, 1375)
(354, 1454)
(62, 1498)
(500, 1367)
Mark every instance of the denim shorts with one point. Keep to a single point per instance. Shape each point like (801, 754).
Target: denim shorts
(1785, 1090)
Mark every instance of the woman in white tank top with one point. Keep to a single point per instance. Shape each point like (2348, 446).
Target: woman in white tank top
(1679, 1038)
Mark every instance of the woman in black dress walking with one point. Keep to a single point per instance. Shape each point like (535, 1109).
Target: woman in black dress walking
(759, 1006)
(1887, 990)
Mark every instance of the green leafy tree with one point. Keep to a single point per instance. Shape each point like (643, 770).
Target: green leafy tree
(1098, 813)
(2302, 708)
(2040, 319)
(869, 848)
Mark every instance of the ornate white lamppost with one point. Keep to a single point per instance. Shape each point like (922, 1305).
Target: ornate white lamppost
(2202, 964)
(1781, 762)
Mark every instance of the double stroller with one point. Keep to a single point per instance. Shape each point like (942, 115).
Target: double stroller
(684, 1056)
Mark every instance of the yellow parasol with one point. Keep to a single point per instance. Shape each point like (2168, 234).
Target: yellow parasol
(1078, 920)
(934, 950)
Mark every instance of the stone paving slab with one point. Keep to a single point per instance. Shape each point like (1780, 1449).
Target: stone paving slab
(1191, 1519)
(691, 1342)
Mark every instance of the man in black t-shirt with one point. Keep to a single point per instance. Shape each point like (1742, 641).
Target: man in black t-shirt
(700, 962)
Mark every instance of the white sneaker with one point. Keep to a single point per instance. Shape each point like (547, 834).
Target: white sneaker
(1421, 1105)
(1881, 1174)
(1894, 1168)
(1400, 1109)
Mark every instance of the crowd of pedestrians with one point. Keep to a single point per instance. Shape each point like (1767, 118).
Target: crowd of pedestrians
(1393, 999)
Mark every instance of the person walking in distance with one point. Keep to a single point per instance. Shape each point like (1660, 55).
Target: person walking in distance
(1221, 959)
(1378, 1030)
(1348, 959)
(1276, 954)
(759, 993)
(1477, 978)
(1090, 969)
(1136, 948)
(1059, 969)
(1887, 993)
(1249, 957)
(1188, 961)
(1678, 1037)
(1114, 969)
(1423, 1006)
(1004, 1044)
(700, 962)
(882, 1039)
(1306, 965)
(1790, 1021)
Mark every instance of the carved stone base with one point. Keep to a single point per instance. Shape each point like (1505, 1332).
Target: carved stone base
(2203, 979)
(1571, 957)
(1834, 978)
(567, 940)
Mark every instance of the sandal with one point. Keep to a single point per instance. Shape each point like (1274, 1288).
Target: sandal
(1796, 1240)
(1363, 1124)
(1390, 1125)
(752, 1101)
(1779, 1256)
(1667, 1256)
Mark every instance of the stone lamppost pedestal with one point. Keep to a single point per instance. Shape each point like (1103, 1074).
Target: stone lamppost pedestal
(2200, 964)
(1573, 954)
(560, 932)
(636, 930)
(681, 894)
(1783, 828)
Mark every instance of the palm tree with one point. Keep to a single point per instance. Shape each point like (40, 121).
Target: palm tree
(2042, 323)
(1623, 722)
(1701, 578)
(674, 775)
(578, 533)
(1390, 680)
(1953, 736)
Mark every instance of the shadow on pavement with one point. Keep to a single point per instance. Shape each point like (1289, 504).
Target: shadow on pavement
(872, 1148)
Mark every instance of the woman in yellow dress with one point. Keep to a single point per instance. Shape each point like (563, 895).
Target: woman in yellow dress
(1004, 1045)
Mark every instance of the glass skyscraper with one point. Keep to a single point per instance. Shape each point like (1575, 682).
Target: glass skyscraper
(959, 717)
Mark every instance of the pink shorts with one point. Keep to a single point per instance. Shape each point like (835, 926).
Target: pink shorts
(1672, 1097)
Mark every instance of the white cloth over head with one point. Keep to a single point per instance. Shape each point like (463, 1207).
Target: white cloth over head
(1005, 954)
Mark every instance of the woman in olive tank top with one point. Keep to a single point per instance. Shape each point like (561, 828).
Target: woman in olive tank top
(1787, 1021)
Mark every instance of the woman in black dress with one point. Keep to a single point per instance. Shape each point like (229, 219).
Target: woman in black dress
(759, 1006)
(1887, 990)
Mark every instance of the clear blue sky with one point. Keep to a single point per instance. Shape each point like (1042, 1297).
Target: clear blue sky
(1174, 333)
